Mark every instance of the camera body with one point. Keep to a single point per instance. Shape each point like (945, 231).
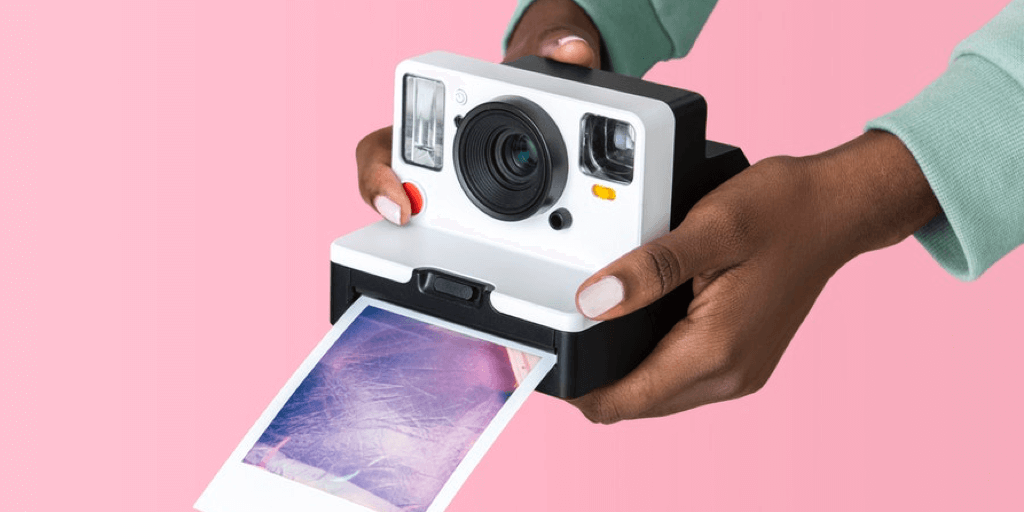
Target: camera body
(529, 177)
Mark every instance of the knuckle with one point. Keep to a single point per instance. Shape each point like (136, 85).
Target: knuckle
(663, 265)
(731, 385)
(734, 222)
(374, 146)
(754, 385)
(778, 162)
(727, 225)
(364, 146)
(722, 358)
(361, 145)
(738, 383)
(604, 410)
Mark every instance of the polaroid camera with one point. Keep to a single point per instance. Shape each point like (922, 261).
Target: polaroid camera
(525, 179)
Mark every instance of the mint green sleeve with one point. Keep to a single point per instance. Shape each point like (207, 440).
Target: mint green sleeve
(639, 34)
(966, 131)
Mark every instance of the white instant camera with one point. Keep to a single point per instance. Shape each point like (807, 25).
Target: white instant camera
(527, 178)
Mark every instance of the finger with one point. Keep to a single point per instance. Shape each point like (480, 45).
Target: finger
(561, 43)
(571, 49)
(704, 243)
(695, 364)
(378, 184)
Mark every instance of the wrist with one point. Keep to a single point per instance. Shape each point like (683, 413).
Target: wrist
(871, 192)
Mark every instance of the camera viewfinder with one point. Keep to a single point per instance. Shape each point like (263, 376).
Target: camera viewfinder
(607, 148)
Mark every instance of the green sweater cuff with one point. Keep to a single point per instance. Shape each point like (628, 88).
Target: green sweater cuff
(966, 131)
(630, 31)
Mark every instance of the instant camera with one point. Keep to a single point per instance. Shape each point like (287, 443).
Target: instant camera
(525, 179)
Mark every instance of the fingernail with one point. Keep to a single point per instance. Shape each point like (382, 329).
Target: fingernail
(568, 39)
(601, 296)
(388, 209)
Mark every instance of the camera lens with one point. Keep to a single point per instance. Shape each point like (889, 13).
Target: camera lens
(521, 152)
(510, 158)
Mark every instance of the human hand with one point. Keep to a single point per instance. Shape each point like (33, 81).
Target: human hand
(556, 29)
(759, 249)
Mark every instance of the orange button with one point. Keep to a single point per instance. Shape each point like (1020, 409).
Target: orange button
(606, 193)
(415, 197)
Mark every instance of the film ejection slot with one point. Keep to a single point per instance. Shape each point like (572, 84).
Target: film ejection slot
(457, 290)
(449, 287)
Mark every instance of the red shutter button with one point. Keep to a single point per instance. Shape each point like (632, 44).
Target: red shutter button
(415, 197)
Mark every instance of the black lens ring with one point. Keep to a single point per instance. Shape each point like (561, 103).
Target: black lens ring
(491, 182)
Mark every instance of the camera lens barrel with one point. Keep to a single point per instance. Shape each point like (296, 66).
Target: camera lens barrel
(510, 158)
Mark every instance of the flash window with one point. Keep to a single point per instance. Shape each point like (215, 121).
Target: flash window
(423, 122)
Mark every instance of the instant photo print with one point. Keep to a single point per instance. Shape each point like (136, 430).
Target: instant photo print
(389, 413)
(525, 179)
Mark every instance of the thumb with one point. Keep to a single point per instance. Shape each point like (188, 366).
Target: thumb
(650, 271)
(571, 49)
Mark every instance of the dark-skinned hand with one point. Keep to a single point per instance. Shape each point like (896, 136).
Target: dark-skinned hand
(759, 248)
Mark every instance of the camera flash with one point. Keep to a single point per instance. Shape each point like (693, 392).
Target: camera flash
(423, 122)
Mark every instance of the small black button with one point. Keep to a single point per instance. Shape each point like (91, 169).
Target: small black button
(560, 219)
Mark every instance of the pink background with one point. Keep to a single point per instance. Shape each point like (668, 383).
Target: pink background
(172, 174)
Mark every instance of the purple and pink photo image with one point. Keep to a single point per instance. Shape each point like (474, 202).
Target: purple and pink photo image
(390, 411)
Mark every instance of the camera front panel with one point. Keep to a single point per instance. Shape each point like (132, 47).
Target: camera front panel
(510, 158)
(532, 163)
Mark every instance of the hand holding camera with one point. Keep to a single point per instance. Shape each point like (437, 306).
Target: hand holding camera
(759, 248)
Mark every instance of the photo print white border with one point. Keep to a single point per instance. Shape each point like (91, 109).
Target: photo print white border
(241, 487)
